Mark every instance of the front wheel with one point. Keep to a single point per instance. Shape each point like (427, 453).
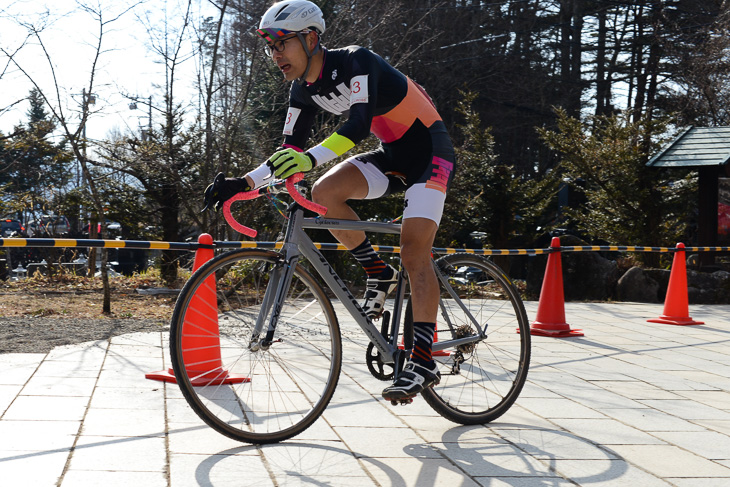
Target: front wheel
(245, 388)
(479, 380)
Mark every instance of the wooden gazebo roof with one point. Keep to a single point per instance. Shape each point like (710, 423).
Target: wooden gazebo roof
(696, 147)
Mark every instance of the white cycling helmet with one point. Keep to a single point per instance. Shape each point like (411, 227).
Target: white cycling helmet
(289, 17)
(293, 17)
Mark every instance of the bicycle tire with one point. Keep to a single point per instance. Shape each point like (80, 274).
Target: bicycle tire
(256, 396)
(479, 385)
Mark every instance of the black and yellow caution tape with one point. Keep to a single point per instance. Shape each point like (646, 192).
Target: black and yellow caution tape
(159, 245)
(67, 242)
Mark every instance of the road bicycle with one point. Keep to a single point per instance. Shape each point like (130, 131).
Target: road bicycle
(278, 339)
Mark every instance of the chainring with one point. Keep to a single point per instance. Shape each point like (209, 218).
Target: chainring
(377, 366)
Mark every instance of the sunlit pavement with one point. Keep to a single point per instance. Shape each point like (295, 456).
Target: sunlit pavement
(630, 403)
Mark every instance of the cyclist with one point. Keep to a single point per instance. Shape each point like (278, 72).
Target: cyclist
(415, 156)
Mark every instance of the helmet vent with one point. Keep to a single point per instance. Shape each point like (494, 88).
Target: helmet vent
(281, 15)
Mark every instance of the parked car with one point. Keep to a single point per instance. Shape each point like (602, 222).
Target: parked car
(466, 275)
(9, 227)
(49, 225)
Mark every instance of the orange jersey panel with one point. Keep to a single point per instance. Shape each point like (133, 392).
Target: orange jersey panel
(416, 105)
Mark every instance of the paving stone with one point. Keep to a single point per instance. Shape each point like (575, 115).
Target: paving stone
(687, 409)
(558, 408)
(87, 478)
(48, 408)
(202, 440)
(63, 368)
(370, 413)
(144, 397)
(39, 469)
(607, 432)
(703, 481)
(132, 454)
(494, 457)
(60, 386)
(668, 461)
(636, 390)
(12, 374)
(7, 395)
(414, 472)
(124, 422)
(545, 444)
(384, 442)
(188, 470)
(606, 473)
(327, 459)
(39, 436)
(708, 444)
(651, 420)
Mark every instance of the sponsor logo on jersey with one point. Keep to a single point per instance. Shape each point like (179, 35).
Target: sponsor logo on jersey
(342, 97)
(338, 102)
(440, 175)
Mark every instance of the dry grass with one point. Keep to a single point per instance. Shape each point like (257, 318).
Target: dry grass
(70, 296)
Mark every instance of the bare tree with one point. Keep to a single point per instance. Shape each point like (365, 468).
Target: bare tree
(56, 103)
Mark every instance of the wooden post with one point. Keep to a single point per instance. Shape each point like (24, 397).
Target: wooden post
(707, 218)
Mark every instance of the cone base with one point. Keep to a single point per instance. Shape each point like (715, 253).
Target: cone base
(676, 320)
(212, 378)
(554, 330)
(439, 353)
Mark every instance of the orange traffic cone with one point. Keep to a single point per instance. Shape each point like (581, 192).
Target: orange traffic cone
(438, 353)
(200, 340)
(551, 308)
(435, 353)
(676, 304)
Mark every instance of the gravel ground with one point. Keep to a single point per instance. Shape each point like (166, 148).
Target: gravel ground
(25, 334)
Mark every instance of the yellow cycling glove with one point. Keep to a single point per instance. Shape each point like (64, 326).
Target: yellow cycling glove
(287, 162)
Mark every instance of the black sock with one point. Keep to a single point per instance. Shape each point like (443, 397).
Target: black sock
(422, 342)
(374, 266)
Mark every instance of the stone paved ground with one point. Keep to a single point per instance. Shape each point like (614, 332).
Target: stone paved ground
(631, 403)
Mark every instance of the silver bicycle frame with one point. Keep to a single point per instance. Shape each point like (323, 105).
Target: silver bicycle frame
(297, 243)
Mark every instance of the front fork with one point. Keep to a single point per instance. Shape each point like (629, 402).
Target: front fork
(273, 302)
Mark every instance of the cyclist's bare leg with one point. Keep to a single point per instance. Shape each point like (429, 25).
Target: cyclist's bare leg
(341, 183)
(417, 235)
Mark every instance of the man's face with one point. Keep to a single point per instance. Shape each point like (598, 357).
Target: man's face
(289, 56)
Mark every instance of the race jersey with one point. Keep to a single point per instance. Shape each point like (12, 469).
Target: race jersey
(360, 85)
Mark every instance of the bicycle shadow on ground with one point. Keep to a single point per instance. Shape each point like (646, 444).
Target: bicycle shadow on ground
(513, 452)
(505, 453)
(294, 462)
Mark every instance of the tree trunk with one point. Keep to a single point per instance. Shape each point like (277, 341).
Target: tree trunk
(170, 232)
(603, 96)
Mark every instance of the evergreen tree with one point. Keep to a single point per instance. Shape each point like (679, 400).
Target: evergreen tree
(31, 163)
(490, 196)
(627, 203)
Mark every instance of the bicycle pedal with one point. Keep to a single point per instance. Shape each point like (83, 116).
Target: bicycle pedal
(403, 402)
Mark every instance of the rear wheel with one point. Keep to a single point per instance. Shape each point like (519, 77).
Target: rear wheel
(482, 379)
(243, 388)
